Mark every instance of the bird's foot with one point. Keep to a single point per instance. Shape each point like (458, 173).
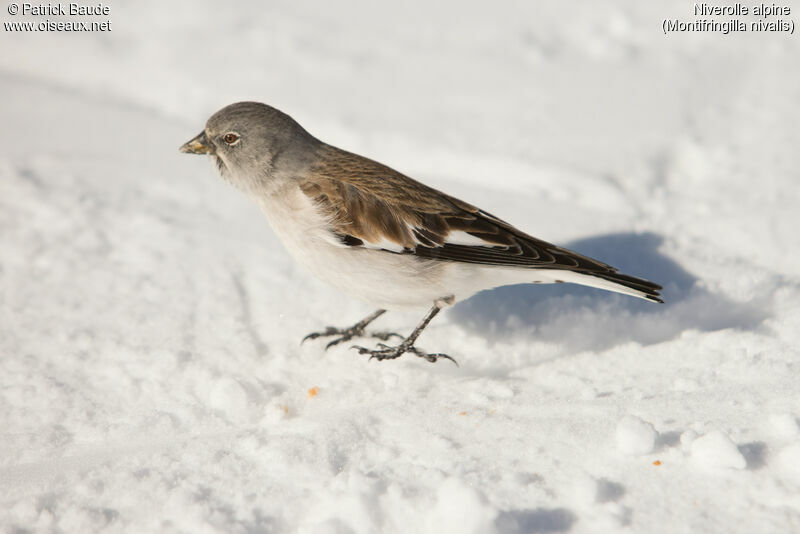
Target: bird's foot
(346, 334)
(385, 352)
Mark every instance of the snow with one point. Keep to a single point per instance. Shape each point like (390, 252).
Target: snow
(784, 425)
(634, 436)
(789, 460)
(715, 450)
(152, 375)
(460, 508)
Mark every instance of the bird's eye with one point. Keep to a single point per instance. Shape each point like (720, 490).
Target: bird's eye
(230, 138)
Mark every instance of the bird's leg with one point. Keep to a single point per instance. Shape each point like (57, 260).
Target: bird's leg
(346, 334)
(385, 352)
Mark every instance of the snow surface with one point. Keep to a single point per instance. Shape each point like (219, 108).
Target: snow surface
(152, 377)
(715, 450)
(635, 436)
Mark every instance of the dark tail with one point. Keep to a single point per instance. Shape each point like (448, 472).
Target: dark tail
(649, 290)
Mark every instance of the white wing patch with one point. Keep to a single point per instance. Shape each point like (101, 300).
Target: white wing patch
(384, 244)
(463, 238)
(453, 238)
(458, 237)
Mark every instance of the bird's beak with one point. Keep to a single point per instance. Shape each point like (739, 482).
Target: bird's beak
(198, 145)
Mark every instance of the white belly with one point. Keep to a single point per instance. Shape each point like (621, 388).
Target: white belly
(385, 280)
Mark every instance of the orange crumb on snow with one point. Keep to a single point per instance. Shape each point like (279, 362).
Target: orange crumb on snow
(313, 392)
(462, 413)
(657, 462)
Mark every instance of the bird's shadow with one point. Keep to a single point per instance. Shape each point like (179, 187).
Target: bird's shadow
(586, 318)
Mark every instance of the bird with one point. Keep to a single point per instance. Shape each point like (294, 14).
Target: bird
(379, 235)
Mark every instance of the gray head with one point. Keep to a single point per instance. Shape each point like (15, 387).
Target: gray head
(253, 144)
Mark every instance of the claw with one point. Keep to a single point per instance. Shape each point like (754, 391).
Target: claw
(432, 357)
(346, 334)
(329, 331)
(385, 352)
(385, 336)
(335, 342)
(357, 330)
(435, 357)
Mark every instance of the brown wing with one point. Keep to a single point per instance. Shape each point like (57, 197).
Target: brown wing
(374, 206)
